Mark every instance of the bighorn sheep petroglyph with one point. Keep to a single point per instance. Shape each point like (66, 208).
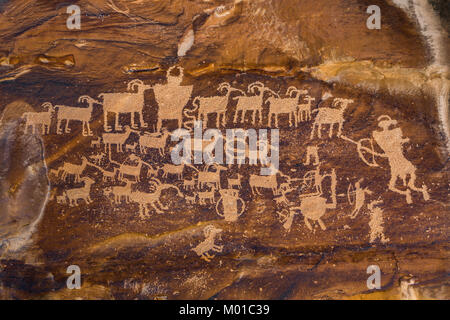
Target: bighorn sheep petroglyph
(66, 113)
(216, 104)
(118, 139)
(288, 105)
(72, 169)
(39, 118)
(252, 103)
(125, 102)
(331, 116)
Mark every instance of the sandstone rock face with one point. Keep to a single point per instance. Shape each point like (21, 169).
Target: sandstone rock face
(93, 118)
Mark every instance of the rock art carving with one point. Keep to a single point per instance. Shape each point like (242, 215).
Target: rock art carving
(330, 116)
(67, 114)
(252, 103)
(68, 169)
(304, 109)
(125, 102)
(312, 152)
(391, 141)
(208, 244)
(154, 141)
(207, 176)
(357, 196)
(171, 98)
(120, 192)
(235, 182)
(83, 193)
(44, 119)
(232, 205)
(288, 106)
(118, 139)
(207, 195)
(214, 105)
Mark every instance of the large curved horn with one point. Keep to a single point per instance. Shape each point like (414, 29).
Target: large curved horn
(133, 83)
(224, 85)
(251, 86)
(48, 105)
(291, 90)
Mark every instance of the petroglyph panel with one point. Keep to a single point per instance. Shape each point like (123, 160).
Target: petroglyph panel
(264, 169)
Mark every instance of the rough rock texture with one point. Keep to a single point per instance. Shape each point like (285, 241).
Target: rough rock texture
(126, 250)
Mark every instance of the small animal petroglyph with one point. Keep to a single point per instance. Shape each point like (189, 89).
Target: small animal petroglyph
(154, 141)
(120, 192)
(304, 109)
(44, 119)
(83, 193)
(235, 182)
(206, 176)
(72, 169)
(96, 142)
(208, 244)
(206, 195)
(116, 138)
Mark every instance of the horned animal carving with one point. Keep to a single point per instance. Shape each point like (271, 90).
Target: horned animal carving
(66, 113)
(288, 106)
(33, 119)
(252, 103)
(331, 116)
(217, 104)
(83, 193)
(125, 102)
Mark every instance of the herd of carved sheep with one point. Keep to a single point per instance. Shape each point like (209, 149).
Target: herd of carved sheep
(172, 99)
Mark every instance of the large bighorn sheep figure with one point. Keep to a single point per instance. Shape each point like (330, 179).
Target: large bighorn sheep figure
(289, 105)
(208, 244)
(125, 102)
(331, 116)
(68, 114)
(252, 103)
(216, 104)
(39, 118)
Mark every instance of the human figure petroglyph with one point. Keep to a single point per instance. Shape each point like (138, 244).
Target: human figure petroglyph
(391, 141)
(330, 116)
(68, 169)
(44, 119)
(172, 98)
(83, 193)
(125, 102)
(312, 152)
(67, 114)
(118, 139)
(154, 141)
(153, 198)
(360, 197)
(376, 222)
(252, 103)
(304, 109)
(288, 106)
(235, 182)
(207, 176)
(208, 244)
(280, 198)
(314, 205)
(214, 105)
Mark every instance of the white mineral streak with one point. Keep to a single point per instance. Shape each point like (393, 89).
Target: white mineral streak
(186, 43)
(422, 12)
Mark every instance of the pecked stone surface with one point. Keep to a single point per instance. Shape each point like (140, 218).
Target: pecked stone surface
(130, 248)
